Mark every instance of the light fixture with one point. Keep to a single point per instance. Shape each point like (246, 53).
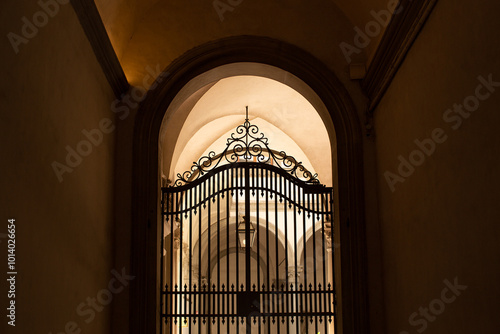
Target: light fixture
(242, 234)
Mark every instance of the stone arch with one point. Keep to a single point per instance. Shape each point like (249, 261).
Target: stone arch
(348, 173)
(204, 236)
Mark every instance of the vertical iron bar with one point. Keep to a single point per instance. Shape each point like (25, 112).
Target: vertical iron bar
(295, 244)
(171, 264)
(201, 299)
(178, 204)
(191, 311)
(237, 247)
(183, 285)
(305, 212)
(195, 295)
(214, 293)
(315, 266)
(233, 305)
(333, 264)
(223, 314)
(277, 249)
(248, 269)
(208, 183)
(205, 295)
(192, 284)
(236, 229)
(324, 207)
(285, 192)
(227, 237)
(218, 251)
(162, 265)
(180, 262)
(311, 215)
(247, 229)
(175, 313)
(255, 183)
(268, 299)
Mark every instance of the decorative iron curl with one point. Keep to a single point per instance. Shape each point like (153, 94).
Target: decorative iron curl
(247, 142)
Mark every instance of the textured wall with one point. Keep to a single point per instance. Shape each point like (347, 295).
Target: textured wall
(440, 222)
(50, 91)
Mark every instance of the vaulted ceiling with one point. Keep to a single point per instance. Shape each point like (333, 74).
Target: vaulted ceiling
(153, 33)
(284, 116)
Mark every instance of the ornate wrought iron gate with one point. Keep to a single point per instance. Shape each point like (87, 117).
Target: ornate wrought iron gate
(247, 244)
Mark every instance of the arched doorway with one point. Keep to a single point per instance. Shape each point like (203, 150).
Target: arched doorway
(315, 82)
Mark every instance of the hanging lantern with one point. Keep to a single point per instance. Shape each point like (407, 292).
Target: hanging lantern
(242, 234)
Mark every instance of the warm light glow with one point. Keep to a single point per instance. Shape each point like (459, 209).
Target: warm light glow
(242, 234)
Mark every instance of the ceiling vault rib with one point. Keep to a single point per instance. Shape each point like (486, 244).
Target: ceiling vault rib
(401, 32)
(91, 22)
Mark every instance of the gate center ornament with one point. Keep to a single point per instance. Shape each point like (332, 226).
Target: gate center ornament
(246, 143)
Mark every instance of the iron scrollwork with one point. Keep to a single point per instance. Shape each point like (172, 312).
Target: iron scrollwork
(247, 143)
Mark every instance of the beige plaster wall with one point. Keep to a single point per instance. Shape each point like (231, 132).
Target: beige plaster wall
(441, 223)
(50, 91)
